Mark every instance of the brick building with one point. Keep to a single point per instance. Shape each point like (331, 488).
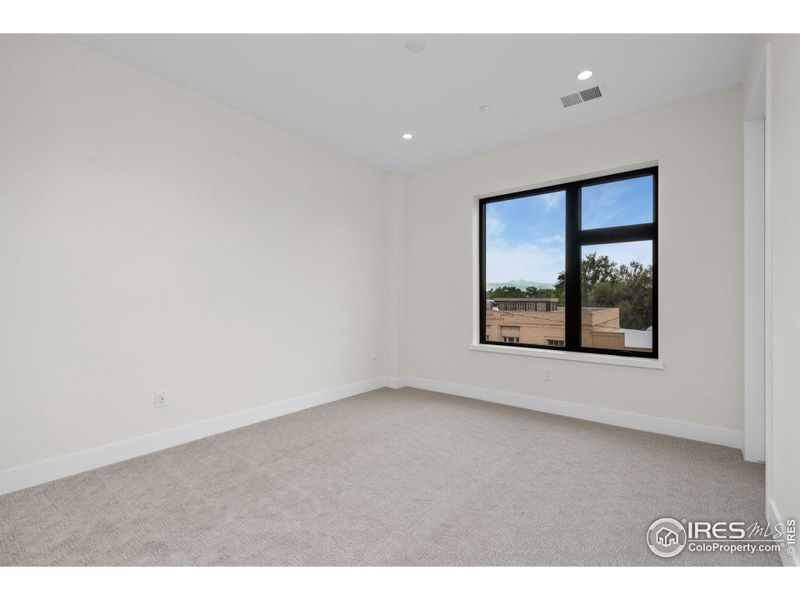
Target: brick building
(540, 321)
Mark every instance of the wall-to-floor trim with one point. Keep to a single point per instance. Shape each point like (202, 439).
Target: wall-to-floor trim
(394, 383)
(774, 516)
(681, 429)
(86, 460)
(64, 466)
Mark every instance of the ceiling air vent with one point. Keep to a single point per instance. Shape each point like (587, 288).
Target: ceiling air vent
(582, 96)
(591, 94)
(571, 100)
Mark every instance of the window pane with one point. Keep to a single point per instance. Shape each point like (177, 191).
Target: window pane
(625, 202)
(617, 296)
(525, 261)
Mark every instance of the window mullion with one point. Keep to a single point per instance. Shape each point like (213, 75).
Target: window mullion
(572, 290)
(617, 235)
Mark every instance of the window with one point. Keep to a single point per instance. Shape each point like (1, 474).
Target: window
(573, 266)
(510, 334)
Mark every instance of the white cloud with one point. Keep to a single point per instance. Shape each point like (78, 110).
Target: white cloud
(605, 208)
(624, 253)
(494, 225)
(552, 201)
(553, 239)
(523, 261)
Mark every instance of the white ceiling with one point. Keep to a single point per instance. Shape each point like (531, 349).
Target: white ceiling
(359, 93)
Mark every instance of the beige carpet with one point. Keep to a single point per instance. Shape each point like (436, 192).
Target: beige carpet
(389, 478)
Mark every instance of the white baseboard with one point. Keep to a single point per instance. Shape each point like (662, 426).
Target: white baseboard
(681, 429)
(774, 516)
(64, 466)
(86, 460)
(394, 383)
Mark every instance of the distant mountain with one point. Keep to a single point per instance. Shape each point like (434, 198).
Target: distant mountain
(521, 284)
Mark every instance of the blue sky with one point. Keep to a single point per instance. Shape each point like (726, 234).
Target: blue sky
(525, 237)
(623, 254)
(617, 203)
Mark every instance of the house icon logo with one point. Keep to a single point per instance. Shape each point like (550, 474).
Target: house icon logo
(666, 537)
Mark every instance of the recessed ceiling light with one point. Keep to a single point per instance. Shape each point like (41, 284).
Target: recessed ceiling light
(416, 44)
(484, 107)
(584, 75)
(408, 136)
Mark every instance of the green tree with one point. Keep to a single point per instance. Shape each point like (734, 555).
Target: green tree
(594, 271)
(560, 288)
(606, 284)
(505, 291)
(635, 296)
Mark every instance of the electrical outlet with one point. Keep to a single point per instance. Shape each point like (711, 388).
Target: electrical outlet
(547, 375)
(161, 399)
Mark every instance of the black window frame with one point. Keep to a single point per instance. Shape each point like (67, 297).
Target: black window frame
(575, 239)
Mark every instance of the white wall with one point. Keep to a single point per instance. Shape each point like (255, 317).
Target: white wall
(783, 135)
(152, 239)
(395, 289)
(698, 146)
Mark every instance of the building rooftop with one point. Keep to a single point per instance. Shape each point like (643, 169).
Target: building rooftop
(635, 338)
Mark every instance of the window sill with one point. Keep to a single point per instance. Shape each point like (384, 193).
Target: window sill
(606, 359)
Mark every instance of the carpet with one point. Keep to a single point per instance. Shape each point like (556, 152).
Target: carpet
(391, 477)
